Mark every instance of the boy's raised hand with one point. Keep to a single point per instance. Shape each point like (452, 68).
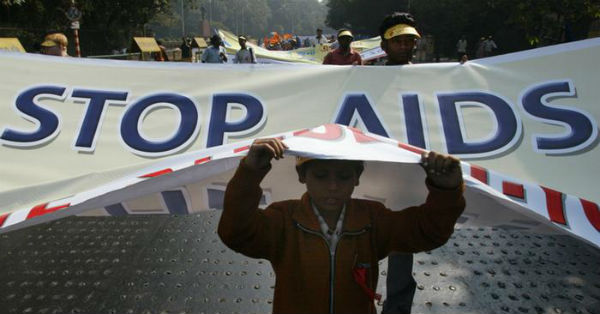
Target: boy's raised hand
(262, 151)
(443, 170)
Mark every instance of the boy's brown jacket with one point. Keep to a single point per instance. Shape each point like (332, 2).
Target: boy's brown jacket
(308, 279)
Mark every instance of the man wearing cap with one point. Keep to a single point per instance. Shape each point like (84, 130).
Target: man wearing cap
(325, 247)
(398, 37)
(244, 55)
(215, 53)
(344, 54)
(55, 44)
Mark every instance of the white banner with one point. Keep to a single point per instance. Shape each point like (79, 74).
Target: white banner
(75, 129)
(196, 182)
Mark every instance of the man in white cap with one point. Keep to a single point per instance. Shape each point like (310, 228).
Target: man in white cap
(343, 55)
(244, 55)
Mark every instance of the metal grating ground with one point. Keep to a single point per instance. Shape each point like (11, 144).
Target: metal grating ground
(177, 264)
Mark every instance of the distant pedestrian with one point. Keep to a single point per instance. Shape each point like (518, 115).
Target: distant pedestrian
(55, 44)
(489, 46)
(306, 42)
(344, 54)
(162, 54)
(215, 53)
(186, 49)
(461, 47)
(245, 54)
(319, 39)
(479, 53)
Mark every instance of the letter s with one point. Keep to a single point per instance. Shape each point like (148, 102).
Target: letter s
(47, 122)
(581, 128)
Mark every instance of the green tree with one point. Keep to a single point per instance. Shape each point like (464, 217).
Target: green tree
(243, 16)
(554, 21)
(514, 24)
(362, 16)
(300, 17)
(249, 17)
(104, 25)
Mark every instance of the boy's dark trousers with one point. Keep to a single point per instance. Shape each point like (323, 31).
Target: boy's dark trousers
(400, 284)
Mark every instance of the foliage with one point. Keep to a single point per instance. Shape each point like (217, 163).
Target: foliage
(110, 24)
(104, 25)
(514, 24)
(301, 17)
(362, 16)
(256, 18)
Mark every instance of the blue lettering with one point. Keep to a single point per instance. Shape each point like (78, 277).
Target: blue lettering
(219, 126)
(93, 115)
(46, 121)
(357, 107)
(184, 134)
(413, 120)
(506, 134)
(581, 129)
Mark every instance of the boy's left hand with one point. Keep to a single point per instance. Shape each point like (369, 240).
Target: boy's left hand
(443, 171)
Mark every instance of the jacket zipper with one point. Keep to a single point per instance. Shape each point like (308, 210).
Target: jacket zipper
(332, 257)
(331, 262)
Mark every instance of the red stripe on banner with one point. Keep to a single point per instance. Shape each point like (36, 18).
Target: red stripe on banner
(554, 204)
(202, 160)
(591, 212)
(332, 132)
(360, 137)
(3, 219)
(157, 173)
(479, 173)
(241, 149)
(411, 148)
(513, 189)
(41, 210)
(300, 132)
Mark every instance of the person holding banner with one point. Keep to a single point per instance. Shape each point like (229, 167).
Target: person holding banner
(344, 54)
(398, 37)
(325, 247)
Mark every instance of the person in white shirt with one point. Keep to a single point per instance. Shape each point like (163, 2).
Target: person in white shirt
(319, 39)
(488, 47)
(244, 55)
(215, 53)
(461, 47)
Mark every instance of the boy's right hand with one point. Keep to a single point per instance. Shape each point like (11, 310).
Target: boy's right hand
(262, 151)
